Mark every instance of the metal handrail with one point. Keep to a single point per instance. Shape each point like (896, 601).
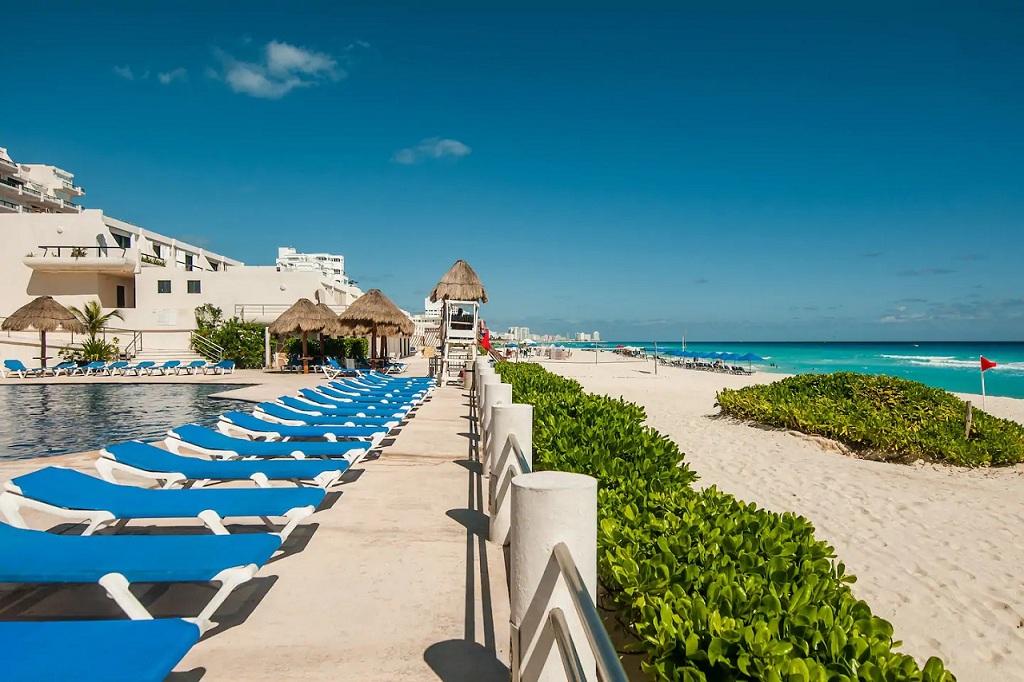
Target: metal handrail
(517, 450)
(609, 666)
(206, 346)
(133, 347)
(100, 250)
(570, 656)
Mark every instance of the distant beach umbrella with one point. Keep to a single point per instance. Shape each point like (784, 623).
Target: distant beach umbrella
(751, 357)
(44, 315)
(460, 283)
(301, 318)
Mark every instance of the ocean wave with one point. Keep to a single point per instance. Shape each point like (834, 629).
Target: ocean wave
(969, 364)
(920, 358)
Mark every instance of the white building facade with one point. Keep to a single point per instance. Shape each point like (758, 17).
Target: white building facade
(154, 281)
(36, 188)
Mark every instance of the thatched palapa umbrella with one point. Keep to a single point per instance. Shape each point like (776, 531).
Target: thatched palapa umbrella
(303, 317)
(460, 283)
(373, 312)
(45, 315)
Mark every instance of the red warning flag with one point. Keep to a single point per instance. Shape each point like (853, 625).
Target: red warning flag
(986, 364)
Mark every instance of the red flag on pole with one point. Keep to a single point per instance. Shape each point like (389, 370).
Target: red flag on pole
(485, 341)
(987, 364)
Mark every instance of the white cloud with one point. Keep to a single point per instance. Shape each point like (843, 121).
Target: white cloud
(125, 72)
(168, 77)
(283, 68)
(431, 148)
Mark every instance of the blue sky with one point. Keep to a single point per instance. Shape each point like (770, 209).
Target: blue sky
(740, 171)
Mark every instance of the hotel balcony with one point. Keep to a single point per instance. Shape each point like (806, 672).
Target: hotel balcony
(7, 166)
(114, 260)
(9, 207)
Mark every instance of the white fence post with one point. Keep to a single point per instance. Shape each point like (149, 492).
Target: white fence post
(507, 420)
(550, 507)
(497, 394)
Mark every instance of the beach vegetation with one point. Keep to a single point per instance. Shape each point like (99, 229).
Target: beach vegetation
(91, 315)
(708, 587)
(881, 417)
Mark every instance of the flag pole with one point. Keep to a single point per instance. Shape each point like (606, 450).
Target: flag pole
(982, 387)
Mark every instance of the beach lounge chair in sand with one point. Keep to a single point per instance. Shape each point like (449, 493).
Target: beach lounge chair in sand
(94, 650)
(331, 368)
(191, 368)
(222, 367)
(251, 426)
(302, 404)
(139, 368)
(280, 414)
(170, 470)
(116, 561)
(215, 444)
(166, 368)
(18, 367)
(74, 496)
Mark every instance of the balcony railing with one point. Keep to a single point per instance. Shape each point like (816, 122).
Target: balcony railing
(7, 204)
(71, 251)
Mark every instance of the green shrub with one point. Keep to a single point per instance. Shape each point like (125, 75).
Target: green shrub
(242, 341)
(89, 351)
(712, 588)
(346, 347)
(889, 418)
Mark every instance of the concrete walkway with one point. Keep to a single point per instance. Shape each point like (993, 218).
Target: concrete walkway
(396, 583)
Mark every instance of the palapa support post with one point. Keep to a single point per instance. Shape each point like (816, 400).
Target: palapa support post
(970, 421)
(305, 354)
(42, 349)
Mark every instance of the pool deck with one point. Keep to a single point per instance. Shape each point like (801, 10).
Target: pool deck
(393, 581)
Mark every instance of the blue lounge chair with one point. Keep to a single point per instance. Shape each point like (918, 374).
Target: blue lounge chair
(222, 367)
(350, 410)
(252, 426)
(116, 561)
(285, 415)
(368, 398)
(165, 368)
(90, 368)
(139, 368)
(95, 650)
(168, 469)
(76, 496)
(216, 444)
(370, 407)
(18, 367)
(65, 367)
(191, 368)
(351, 389)
(115, 367)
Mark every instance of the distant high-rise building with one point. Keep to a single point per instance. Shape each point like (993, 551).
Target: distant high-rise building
(519, 333)
(596, 337)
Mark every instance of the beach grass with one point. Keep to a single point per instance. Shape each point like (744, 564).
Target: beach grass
(880, 417)
(709, 586)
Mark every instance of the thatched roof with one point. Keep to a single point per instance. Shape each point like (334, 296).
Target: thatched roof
(43, 314)
(373, 310)
(460, 283)
(303, 316)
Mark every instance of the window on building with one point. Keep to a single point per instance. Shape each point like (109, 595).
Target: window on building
(188, 262)
(163, 286)
(214, 265)
(123, 240)
(195, 286)
(156, 250)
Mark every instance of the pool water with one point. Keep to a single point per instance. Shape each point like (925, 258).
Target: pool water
(54, 419)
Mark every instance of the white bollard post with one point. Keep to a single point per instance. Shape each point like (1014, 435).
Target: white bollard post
(481, 415)
(497, 394)
(507, 420)
(550, 507)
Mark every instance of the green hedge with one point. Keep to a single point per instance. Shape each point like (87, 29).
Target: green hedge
(890, 418)
(712, 588)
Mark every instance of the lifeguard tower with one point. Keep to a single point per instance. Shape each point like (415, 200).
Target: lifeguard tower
(461, 292)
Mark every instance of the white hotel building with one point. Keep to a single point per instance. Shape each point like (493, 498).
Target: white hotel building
(53, 246)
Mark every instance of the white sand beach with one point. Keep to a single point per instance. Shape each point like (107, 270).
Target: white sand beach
(935, 549)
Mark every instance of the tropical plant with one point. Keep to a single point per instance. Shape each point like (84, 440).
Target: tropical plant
(709, 587)
(241, 341)
(881, 417)
(78, 252)
(93, 317)
(89, 350)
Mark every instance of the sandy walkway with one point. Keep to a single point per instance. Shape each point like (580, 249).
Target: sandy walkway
(936, 549)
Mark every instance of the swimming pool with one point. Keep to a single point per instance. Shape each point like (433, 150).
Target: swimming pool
(54, 419)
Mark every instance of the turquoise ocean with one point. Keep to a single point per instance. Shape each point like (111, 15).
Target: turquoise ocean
(952, 366)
